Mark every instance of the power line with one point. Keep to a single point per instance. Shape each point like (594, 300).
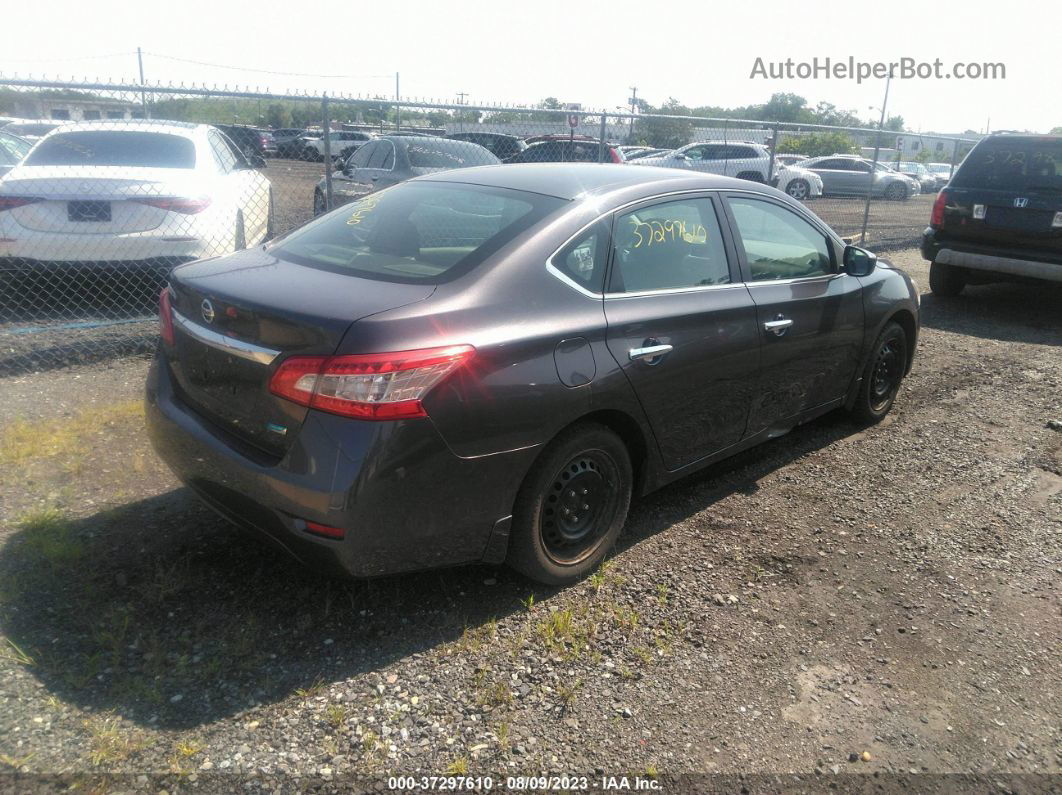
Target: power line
(70, 58)
(261, 71)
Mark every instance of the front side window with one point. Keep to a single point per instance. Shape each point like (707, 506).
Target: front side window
(667, 246)
(416, 231)
(380, 155)
(361, 157)
(778, 243)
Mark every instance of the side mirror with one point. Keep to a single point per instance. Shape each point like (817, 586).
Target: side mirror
(858, 261)
(347, 169)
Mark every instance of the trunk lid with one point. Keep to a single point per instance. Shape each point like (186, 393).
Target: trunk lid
(96, 199)
(258, 300)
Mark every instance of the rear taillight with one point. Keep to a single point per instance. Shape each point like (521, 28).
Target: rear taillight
(166, 317)
(178, 204)
(615, 155)
(374, 386)
(936, 220)
(11, 202)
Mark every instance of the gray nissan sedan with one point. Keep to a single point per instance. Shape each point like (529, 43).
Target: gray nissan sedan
(487, 364)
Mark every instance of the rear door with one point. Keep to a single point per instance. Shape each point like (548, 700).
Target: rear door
(834, 175)
(809, 315)
(682, 325)
(1008, 193)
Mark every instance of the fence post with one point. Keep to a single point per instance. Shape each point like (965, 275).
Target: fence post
(870, 186)
(326, 123)
(774, 150)
(601, 142)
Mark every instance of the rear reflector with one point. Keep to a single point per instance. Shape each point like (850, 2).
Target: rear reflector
(374, 386)
(166, 317)
(11, 202)
(324, 530)
(937, 217)
(177, 204)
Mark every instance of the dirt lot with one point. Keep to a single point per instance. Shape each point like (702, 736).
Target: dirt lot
(838, 601)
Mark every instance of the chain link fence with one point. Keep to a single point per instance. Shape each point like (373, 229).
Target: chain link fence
(93, 218)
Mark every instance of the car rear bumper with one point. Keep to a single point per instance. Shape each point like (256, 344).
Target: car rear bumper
(1034, 265)
(403, 498)
(128, 247)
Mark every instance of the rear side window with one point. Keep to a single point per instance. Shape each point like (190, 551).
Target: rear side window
(584, 259)
(1016, 164)
(416, 231)
(114, 148)
(668, 246)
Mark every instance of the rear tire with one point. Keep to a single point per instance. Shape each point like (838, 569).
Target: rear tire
(571, 506)
(319, 207)
(882, 375)
(897, 191)
(946, 281)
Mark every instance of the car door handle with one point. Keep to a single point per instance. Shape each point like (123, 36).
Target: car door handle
(649, 352)
(779, 326)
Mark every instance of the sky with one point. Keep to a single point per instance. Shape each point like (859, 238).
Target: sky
(700, 52)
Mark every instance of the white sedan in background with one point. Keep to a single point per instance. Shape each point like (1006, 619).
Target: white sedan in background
(798, 182)
(119, 193)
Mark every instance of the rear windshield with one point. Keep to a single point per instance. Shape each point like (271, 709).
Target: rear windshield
(416, 232)
(449, 154)
(1013, 165)
(30, 129)
(114, 148)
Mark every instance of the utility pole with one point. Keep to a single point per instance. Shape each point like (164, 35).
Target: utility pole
(398, 109)
(874, 166)
(461, 97)
(634, 105)
(140, 64)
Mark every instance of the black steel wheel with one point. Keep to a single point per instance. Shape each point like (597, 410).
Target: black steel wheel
(571, 506)
(882, 375)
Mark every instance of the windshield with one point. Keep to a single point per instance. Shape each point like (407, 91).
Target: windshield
(416, 231)
(114, 148)
(1013, 164)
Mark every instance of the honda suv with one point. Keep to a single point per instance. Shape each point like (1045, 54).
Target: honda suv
(1000, 217)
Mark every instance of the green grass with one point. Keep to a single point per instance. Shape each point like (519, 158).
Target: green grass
(48, 537)
(23, 441)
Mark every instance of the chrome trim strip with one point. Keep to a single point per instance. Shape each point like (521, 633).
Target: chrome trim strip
(245, 350)
(696, 288)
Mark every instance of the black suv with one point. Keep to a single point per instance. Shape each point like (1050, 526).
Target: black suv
(1000, 216)
(250, 140)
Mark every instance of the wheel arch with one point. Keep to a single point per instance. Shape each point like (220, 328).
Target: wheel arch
(906, 320)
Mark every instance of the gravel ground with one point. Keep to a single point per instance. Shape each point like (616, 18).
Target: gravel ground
(51, 321)
(838, 601)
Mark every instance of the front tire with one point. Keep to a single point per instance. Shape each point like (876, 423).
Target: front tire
(946, 281)
(240, 236)
(799, 189)
(572, 505)
(882, 375)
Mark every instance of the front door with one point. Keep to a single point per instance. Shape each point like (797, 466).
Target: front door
(809, 314)
(682, 326)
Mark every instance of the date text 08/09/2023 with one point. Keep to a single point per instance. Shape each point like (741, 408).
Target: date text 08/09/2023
(521, 783)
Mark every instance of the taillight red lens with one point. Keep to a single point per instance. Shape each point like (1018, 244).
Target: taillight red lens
(374, 386)
(11, 202)
(188, 206)
(616, 156)
(936, 220)
(166, 317)
(325, 530)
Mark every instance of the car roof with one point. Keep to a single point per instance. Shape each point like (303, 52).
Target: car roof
(577, 180)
